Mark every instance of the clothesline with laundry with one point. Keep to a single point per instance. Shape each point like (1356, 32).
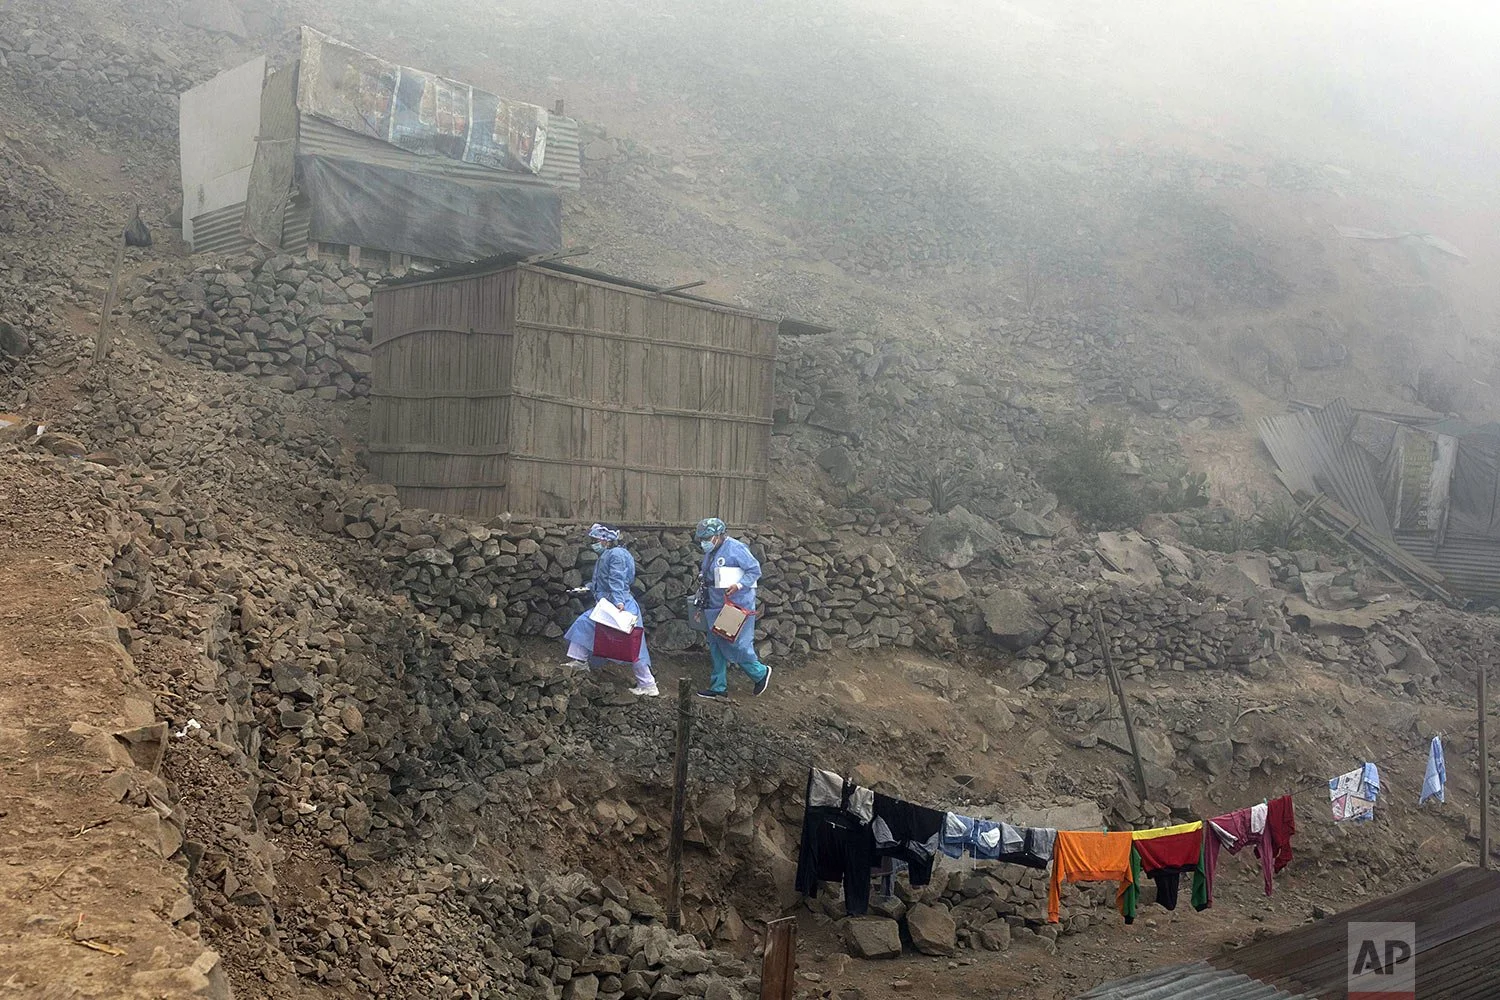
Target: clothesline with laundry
(1309, 784)
(851, 833)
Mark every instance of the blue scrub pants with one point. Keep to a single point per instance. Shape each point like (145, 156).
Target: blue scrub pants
(723, 653)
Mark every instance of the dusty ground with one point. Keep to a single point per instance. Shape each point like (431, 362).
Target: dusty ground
(89, 907)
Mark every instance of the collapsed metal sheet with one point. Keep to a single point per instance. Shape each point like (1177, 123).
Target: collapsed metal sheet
(270, 186)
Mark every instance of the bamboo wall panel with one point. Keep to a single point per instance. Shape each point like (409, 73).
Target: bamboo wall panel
(554, 395)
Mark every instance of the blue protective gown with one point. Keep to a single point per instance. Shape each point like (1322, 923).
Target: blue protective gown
(613, 574)
(741, 652)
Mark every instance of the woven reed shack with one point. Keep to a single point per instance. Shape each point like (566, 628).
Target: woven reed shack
(553, 392)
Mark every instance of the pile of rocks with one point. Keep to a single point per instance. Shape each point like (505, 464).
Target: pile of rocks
(299, 325)
(887, 419)
(1149, 630)
(987, 907)
(1156, 384)
(367, 736)
(540, 936)
(96, 78)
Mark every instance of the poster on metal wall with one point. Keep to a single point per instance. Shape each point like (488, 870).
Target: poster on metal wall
(420, 112)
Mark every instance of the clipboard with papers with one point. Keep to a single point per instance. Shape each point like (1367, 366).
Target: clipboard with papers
(727, 576)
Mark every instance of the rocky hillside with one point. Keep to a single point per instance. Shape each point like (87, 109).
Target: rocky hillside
(373, 778)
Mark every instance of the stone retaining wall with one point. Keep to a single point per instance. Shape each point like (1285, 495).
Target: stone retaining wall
(299, 325)
(860, 589)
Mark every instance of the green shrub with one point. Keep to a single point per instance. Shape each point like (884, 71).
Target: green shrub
(1082, 471)
(1276, 524)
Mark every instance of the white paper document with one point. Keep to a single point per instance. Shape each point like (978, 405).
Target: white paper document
(728, 576)
(605, 613)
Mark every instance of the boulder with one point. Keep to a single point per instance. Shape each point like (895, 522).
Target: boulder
(933, 931)
(1024, 522)
(995, 936)
(957, 538)
(946, 587)
(1129, 557)
(1176, 558)
(838, 463)
(14, 342)
(1011, 618)
(1155, 747)
(1243, 576)
(873, 937)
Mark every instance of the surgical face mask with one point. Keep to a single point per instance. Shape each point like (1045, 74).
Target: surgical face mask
(707, 544)
(597, 546)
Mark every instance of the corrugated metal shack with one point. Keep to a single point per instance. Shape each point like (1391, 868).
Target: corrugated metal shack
(1457, 917)
(551, 391)
(1422, 496)
(346, 152)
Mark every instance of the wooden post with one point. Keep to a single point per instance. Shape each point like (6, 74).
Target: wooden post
(679, 802)
(1115, 682)
(109, 301)
(778, 969)
(1484, 771)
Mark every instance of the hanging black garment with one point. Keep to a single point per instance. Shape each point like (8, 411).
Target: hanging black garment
(837, 846)
(907, 833)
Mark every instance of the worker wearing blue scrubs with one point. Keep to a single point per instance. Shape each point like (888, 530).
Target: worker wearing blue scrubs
(721, 552)
(614, 572)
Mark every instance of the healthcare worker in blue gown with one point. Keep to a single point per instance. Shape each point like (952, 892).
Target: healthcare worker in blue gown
(614, 572)
(722, 552)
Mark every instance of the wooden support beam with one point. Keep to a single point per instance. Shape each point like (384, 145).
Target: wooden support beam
(778, 969)
(679, 802)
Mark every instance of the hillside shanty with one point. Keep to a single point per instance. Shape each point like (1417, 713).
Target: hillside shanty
(344, 149)
(553, 391)
(1422, 496)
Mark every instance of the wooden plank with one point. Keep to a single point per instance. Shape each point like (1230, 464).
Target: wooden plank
(778, 967)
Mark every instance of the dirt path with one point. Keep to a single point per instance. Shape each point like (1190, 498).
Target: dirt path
(87, 899)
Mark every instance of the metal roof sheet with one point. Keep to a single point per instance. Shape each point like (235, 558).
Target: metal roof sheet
(219, 231)
(1458, 940)
(1192, 981)
(560, 167)
(503, 261)
(1471, 565)
(1458, 931)
(1313, 451)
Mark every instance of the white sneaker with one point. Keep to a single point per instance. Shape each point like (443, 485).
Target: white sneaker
(645, 692)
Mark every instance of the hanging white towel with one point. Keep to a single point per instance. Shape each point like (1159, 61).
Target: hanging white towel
(1436, 779)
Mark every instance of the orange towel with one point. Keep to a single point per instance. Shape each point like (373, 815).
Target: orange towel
(1088, 857)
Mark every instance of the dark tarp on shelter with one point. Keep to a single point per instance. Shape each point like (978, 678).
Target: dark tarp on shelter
(445, 218)
(1473, 504)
